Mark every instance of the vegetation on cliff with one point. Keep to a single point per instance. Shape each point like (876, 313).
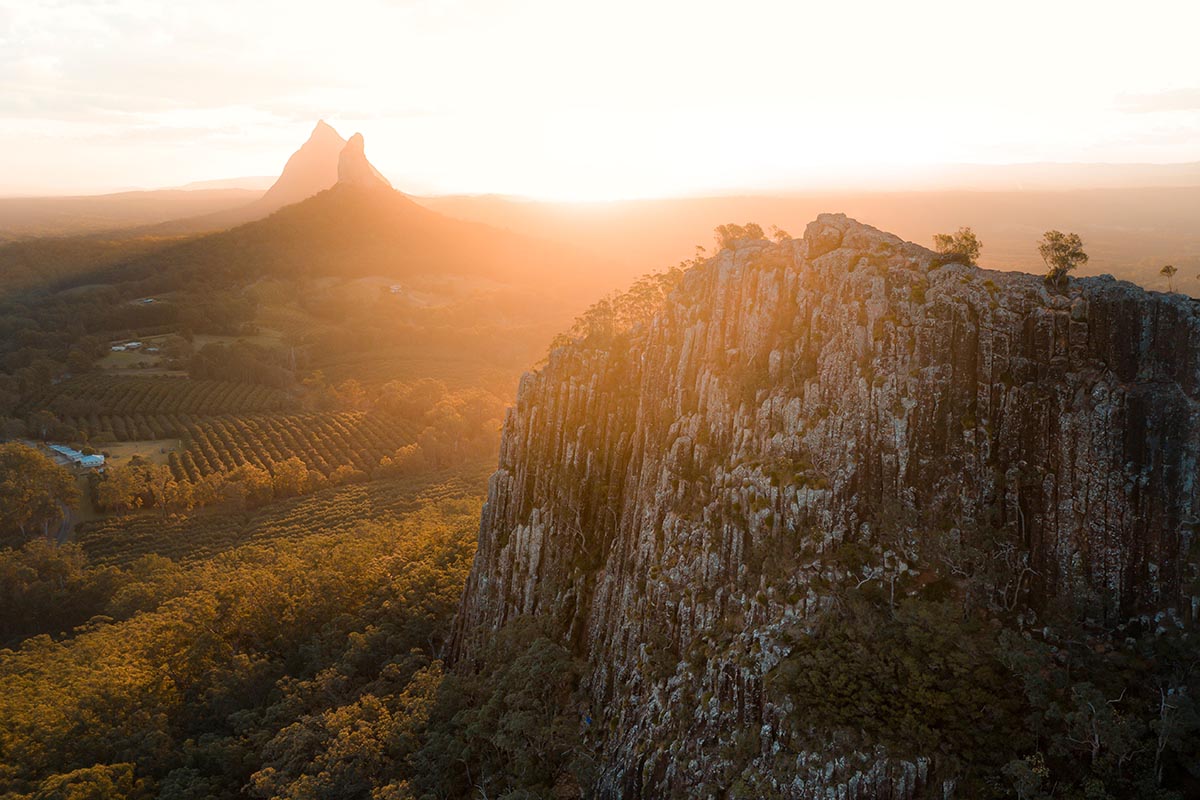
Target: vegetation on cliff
(943, 667)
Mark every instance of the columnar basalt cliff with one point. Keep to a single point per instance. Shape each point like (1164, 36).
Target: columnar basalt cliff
(668, 504)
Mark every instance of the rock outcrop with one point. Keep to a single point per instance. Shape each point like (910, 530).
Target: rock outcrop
(789, 392)
(353, 168)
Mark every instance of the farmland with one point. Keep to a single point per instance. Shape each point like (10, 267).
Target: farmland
(93, 397)
(323, 441)
(123, 539)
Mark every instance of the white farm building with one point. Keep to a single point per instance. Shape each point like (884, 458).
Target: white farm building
(77, 458)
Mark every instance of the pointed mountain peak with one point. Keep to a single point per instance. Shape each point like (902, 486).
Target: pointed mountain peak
(324, 130)
(311, 169)
(353, 167)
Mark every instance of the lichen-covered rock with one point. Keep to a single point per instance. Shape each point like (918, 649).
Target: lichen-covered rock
(664, 504)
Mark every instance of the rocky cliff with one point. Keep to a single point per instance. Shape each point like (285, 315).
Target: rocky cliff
(670, 503)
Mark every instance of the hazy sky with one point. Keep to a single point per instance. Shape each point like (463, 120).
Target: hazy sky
(557, 98)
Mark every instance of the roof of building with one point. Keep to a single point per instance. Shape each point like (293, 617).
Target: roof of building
(71, 453)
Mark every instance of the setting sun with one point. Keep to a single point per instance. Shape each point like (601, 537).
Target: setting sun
(630, 400)
(567, 101)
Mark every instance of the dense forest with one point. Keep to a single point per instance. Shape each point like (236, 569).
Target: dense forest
(304, 667)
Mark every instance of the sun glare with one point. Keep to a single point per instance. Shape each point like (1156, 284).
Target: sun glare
(559, 100)
(626, 399)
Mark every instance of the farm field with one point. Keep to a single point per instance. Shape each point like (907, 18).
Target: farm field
(404, 365)
(323, 441)
(104, 429)
(264, 338)
(143, 362)
(202, 534)
(105, 395)
(135, 360)
(195, 447)
(153, 451)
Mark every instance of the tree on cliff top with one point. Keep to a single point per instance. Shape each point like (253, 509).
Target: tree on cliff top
(1062, 253)
(963, 245)
(728, 234)
(616, 314)
(1168, 272)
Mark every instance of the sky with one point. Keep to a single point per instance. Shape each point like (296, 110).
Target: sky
(599, 100)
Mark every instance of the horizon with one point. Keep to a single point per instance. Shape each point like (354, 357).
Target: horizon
(652, 102)
(932, 179)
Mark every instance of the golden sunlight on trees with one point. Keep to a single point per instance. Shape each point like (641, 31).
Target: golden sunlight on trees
(99, 782)
(406, 461)
(290, 477)
(962, 246)
(727, 235)
(122, 489)
(1062, 253)
(322, 647)
(35, 493)
(139, 485)
(616, 314)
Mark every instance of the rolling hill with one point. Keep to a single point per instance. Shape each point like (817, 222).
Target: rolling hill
(25, 217)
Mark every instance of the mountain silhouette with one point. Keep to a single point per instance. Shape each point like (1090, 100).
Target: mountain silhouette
(354, 168)
(311, 169)
(359, 227)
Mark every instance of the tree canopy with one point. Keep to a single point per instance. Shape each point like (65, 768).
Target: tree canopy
(962, 245)
(1168, 271)
(34, 491)
(727, 235)
(1062, 252)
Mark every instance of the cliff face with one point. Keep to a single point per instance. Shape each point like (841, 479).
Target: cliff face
(681, 491)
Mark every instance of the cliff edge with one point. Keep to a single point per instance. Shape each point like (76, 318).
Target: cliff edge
(679, 501)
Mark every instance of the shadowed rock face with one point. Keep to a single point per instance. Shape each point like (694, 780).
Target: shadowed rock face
(796, 392)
